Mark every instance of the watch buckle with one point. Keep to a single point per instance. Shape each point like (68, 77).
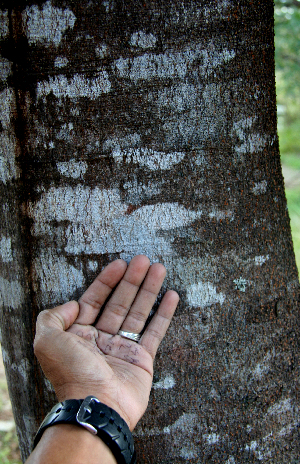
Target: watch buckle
(84, 414)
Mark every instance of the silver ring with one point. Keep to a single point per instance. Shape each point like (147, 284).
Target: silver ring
(130, 335)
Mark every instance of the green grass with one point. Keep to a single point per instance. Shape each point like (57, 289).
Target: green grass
(9, 448)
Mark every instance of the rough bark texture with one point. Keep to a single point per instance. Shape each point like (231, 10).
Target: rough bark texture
(150, 127)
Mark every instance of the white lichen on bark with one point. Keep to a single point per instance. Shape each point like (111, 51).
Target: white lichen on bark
(46, 25)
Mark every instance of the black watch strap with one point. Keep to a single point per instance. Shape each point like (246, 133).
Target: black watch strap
(99, 419)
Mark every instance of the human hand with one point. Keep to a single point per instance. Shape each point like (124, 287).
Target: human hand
(82, 359)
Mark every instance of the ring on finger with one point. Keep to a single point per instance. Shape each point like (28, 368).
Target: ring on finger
(130, 335)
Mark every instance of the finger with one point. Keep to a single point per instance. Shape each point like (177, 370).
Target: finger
(93, 298)
(61, 317)
(119, 304)
(157, 328)
(53, 320)
(145, 299)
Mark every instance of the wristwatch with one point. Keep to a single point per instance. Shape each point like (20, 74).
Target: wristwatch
(98, 419)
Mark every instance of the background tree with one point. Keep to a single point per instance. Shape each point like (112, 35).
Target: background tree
(150, 127)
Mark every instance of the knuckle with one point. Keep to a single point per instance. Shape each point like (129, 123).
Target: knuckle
(93, 302)
(42, 322)
(155, 333)
(137, 315)
(117, 309)
(42, 317)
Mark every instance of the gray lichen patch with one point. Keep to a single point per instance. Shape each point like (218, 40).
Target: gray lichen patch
(8, 166)
(142, 40)
(72, 168)
(47, 25)
(6, 249)
(11, 293)
(75, 87)
(58, 285)
(4, 24)
(172, 64)
(5, 69)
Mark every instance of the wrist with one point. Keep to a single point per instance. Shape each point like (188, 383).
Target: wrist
(73, 392)
(68, 443)
(98, 419)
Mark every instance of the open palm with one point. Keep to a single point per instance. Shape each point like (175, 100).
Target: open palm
(81, 357)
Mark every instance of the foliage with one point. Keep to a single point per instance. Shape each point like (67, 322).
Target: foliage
(287, 60)
(287, 45)
(293, 200)
(9, 448)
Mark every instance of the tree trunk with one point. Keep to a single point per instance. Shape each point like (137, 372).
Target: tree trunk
(150, 127)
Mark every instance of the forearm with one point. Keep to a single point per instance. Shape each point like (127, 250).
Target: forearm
(70, 444)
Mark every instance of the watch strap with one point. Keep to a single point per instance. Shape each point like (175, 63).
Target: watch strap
(99, 419)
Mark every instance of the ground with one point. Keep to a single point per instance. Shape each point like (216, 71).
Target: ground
(9, 449)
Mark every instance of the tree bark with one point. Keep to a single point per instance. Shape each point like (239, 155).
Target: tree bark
(150, 127)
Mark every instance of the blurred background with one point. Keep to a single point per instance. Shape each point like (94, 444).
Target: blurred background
(287, 58)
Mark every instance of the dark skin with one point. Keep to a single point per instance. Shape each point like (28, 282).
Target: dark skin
(81, 359)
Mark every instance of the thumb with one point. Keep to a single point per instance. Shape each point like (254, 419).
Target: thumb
(59, 318)
(50, 338)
